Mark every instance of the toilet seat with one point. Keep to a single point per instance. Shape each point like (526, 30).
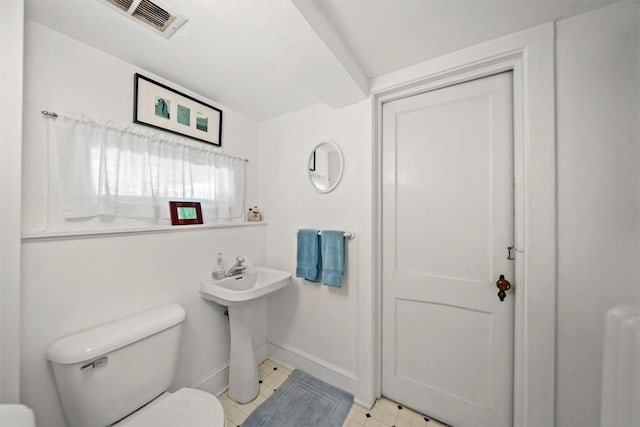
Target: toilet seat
(185, 407)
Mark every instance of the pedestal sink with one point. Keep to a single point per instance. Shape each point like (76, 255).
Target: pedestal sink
(240, 294)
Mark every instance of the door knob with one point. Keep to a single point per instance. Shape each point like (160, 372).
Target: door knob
(503, 286)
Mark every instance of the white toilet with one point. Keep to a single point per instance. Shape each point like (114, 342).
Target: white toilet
(14, 415)
(119, 373)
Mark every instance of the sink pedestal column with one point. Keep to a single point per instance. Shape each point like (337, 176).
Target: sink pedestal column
(243, 368)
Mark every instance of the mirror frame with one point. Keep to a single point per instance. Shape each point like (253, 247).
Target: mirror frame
(340, 174)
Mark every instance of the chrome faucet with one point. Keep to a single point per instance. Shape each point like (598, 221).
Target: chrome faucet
(237, 268)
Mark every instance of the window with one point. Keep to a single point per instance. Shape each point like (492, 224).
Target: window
(113, 171)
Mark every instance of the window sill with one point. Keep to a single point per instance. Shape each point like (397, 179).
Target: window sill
(62, 235)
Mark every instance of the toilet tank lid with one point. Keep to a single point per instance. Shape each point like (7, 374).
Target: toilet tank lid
(95, 342)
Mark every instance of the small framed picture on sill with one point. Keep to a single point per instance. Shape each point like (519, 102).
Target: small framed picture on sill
(185, 213)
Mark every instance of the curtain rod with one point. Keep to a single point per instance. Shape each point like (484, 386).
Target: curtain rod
(53, 115)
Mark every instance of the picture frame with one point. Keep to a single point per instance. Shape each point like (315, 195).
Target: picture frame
(185, 213)
(161, 107)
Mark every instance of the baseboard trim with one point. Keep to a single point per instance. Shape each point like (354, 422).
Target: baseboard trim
(367, 405)
(216, 382)
(321, 369)
(261, 352)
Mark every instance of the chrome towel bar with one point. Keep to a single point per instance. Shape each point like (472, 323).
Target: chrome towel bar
(347, 234)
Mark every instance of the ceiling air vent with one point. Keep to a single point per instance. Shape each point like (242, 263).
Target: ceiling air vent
(149, 13)
(122, 4)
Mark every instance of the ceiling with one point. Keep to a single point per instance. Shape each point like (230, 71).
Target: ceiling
(267, 57)
(388, 35)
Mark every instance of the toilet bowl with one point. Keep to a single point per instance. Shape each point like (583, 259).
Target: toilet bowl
(185, 407)
(120, 373)
(15, 415)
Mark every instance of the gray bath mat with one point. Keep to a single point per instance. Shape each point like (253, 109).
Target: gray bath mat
(302, 400)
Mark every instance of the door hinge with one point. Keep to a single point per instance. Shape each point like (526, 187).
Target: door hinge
(512, 251)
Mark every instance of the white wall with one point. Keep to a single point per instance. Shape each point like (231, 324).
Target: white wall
(70, 284)
(598, 219)
(598, 79)
(310, 323)
(598, 86)
(75, 284)
(62, 74)
(11, 53)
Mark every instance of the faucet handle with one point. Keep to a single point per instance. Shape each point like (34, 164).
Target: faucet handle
(239, 260)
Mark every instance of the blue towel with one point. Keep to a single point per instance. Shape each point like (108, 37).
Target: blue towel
(309, 262)
(332, 258)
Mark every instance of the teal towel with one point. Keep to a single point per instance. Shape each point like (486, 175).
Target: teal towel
(308, 259)
(332, 258)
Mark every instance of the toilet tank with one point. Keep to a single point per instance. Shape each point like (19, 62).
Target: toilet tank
(105, 373)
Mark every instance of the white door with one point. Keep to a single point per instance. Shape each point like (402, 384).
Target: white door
(448, 207)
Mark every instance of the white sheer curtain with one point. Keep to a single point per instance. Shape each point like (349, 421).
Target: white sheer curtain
(109, 170)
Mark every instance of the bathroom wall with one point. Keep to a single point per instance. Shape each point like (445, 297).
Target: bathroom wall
(70, 284)
(78, 283)
(598, 80)
(62, 74)
(11, 52)
(312, 325)
(598, 86)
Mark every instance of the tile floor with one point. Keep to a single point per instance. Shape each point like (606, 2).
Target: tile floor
(385, 413)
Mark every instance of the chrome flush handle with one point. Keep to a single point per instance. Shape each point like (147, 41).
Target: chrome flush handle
(98, 363)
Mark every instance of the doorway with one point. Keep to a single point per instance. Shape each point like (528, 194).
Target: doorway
(529, 55)
(448, 237)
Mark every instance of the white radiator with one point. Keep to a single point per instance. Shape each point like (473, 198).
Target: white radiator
(621, 368)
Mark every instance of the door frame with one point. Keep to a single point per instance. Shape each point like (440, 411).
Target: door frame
(530, 55)
(11, 85)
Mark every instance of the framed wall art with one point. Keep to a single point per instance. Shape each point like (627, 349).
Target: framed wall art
(164, 108)
(185, 213)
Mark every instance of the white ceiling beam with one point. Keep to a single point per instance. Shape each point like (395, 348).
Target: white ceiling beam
(359, 86)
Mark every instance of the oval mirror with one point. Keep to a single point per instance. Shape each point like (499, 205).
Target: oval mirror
(326, 164)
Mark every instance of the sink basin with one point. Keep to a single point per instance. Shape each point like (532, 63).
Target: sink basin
(241, 294)
(255, 283)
